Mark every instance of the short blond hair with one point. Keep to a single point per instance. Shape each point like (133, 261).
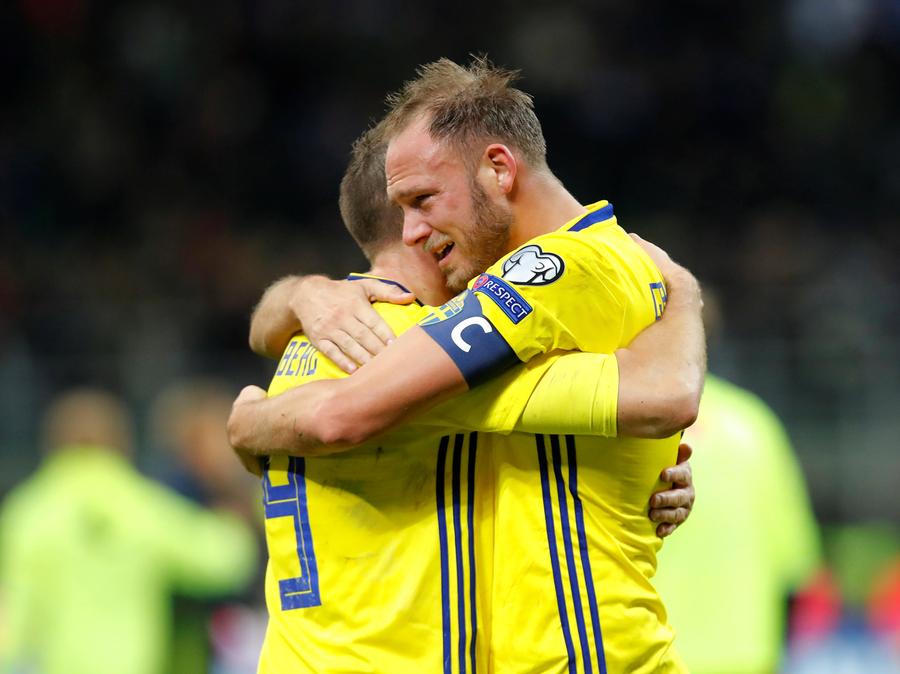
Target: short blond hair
(467, 105)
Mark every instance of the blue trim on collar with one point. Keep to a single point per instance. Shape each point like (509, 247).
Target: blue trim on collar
(593, 218)
(361, 277)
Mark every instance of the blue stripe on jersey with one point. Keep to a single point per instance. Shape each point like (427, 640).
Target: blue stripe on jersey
(473, 446)
(593, 218)
(442, 535)
(457, 540)
(554, 554)
(585, 559)
(570, 554)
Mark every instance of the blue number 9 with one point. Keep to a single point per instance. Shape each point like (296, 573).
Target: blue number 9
(287, 524)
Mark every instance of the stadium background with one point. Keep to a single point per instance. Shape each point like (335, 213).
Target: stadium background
(161, 162)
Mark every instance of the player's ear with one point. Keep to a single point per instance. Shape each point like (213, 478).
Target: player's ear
(500, 167)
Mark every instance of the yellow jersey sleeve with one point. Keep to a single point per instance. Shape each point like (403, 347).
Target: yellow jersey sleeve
(562, 392)
(585, 287)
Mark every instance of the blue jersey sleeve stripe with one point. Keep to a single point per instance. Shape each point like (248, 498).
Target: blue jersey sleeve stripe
(457, 540)
(440, 488)
(473, 447)
(554, 553)
(585, 559)
(592, 218)
(570, 554)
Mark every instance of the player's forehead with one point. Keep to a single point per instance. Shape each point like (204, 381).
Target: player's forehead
(415, 161)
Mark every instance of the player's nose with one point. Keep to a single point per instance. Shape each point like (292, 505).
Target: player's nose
(415, 230)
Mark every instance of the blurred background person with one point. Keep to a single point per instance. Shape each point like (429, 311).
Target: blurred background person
(91, 552)
(187, 427)
(754, 541)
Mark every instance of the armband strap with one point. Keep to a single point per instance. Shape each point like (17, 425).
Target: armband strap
(471, 340)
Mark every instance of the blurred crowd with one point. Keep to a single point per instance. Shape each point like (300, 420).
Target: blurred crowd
(161, 162)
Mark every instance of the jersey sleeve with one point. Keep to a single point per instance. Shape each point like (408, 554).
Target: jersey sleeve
(579, 394)
(568, 393)
(563, 290)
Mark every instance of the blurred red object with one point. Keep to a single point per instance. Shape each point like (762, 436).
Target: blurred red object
(816, 610)
(884, 602)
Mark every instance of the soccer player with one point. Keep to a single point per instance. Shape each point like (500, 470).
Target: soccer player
(389, 517)
(466, 162)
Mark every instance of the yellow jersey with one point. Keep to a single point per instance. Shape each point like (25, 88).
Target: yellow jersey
(574, 550)
(380, 558)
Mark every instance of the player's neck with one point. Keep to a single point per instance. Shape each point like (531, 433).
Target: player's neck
(412, 268)
(542, 205)
(386, 267)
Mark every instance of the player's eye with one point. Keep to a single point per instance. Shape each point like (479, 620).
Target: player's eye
(420, 200)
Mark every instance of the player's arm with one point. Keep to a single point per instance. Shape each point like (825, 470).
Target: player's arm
(337, 316)
(414, 373)
(661, 372)
(409, 376)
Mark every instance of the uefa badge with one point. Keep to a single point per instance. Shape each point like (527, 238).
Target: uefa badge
(531, 266)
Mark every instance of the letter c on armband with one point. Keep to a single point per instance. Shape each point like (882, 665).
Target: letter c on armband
(456, 333)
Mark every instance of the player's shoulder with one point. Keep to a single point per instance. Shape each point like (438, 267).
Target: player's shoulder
(594, 237)
(591, 244)
(399, 317)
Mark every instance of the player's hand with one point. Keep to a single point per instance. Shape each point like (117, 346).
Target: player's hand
(249, 394)
(672, 507)
(240, 424)
(338, 318)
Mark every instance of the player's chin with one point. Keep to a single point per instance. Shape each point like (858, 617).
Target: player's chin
(457, 279)
(462, 272)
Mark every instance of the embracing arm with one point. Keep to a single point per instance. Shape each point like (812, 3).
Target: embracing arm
(328, 416)
(661, 372)
(416, 372)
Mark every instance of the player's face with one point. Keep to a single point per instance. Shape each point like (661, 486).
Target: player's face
(445, 209)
